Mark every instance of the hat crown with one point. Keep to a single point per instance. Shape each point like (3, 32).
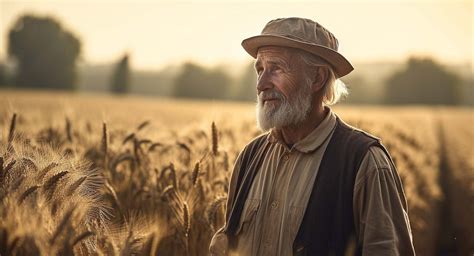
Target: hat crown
(304, 30)
(303, 34)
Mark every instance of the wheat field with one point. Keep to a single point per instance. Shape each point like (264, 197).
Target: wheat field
(103, 175)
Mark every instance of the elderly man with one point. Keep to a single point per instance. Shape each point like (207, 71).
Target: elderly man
(312, 185)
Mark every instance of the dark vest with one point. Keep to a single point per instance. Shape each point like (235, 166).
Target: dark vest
(328, 225)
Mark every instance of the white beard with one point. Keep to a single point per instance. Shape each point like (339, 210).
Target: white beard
(283, 112)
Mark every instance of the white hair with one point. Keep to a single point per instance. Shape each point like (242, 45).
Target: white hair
(295, 109)
(334, 89)
(289, 112)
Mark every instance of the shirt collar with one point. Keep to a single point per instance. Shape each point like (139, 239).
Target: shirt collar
(313, 140)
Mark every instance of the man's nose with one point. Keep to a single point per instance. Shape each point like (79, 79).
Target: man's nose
(263, 82)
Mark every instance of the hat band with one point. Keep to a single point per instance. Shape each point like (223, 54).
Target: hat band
(302, 40)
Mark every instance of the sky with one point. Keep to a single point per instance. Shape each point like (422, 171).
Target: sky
(159, 33)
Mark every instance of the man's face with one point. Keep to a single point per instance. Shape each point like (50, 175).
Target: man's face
(284, 94)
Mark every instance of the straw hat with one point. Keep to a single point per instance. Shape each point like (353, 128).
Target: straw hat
(303, 34)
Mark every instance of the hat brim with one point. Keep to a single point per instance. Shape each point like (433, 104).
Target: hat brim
(340, 64)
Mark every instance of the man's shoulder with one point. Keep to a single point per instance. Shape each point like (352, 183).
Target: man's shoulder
(251, 147)
(379, 157)
(355, 132)
(257, 141)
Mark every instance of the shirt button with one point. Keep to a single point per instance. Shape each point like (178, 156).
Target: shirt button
(274, 204)
(285, 157)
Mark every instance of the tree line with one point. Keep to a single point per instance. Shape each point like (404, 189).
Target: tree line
(46, 56)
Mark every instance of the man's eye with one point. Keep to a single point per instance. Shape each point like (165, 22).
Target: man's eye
(276, 69)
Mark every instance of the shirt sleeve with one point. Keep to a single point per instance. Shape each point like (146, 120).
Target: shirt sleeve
(380, 208)
(219, 242)
(233, 185)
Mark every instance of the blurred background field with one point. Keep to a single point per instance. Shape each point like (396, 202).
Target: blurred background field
(120, 120)
(191, 49)
(159, 171)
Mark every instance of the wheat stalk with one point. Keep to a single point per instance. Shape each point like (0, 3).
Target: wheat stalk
(226, 161)
(195, 174)
(129, 244)
(82, 236)
(68, 129)
(119, 159)
(186, 219)
(75, 185)
(211, 211)
(51, 183)
(136, 151)
(116, 201)
(61, 225)
(154, 145)
(1, 165)
(143, 125)
(186, 225)
(27, 192)
(7, 168)
(45, 170)
(13, 245)
(104, 144)
(150, 246)
(187, 156)
(184, 147)
(167, 191)
(215, 139)
(128, 138)
(11, 133)
(172, 171)
(144, 141)
(28, 163)
(55, 206)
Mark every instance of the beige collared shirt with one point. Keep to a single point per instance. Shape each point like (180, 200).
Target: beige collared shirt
(278, 197)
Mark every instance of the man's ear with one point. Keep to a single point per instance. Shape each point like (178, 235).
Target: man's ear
(320, 78)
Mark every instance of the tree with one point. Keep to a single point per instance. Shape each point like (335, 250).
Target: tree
(360, 90)
(121, 76)
(196, 82)
(423, 81)
(248, 84)
(46, 53)
(3, 75)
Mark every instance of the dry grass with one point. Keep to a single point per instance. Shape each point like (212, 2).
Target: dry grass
(457, 133)
(153, 179)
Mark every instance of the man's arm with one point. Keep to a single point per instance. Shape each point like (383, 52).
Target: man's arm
(219, 242)
(380, 208)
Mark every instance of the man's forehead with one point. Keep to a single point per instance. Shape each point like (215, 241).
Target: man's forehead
(275, 53)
